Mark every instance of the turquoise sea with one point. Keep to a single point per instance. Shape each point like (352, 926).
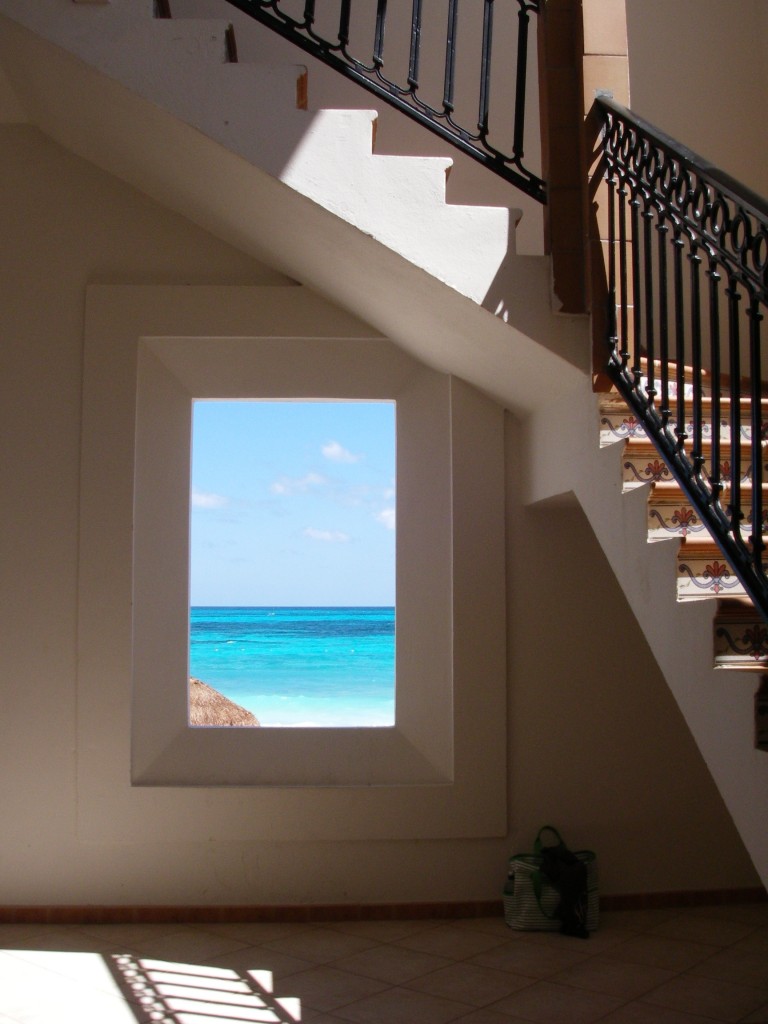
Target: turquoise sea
(299, 666)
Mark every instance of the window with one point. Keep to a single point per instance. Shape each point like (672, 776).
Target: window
(441, 771)
(292, 563)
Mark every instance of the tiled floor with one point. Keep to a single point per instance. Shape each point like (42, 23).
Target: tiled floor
(643, 967)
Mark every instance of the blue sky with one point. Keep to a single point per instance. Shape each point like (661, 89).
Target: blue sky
(293, 503)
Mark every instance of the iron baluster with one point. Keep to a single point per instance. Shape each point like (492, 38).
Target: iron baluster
(696, 369)
(637, 315)
(378, 39)
(522, 72)
(650, 336)
(735, 418)
(413, 63)
(623, 295)
(715, 475)
(344, 16)
(450, 56)
(662, 229)
(677, 262)
(485, 69)
(756, 538)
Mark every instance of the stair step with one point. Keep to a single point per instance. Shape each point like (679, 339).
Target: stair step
(643, 464)
(618, 423)
(740, 636)
(703, 571)
(671, 514)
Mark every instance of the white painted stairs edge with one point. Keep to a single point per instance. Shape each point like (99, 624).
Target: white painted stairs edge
(718, 705)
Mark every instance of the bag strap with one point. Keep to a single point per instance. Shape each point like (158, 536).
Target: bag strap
(537, 846)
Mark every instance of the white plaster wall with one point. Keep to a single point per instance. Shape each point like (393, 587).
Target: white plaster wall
(597, 744)
(699, 71)
(469, 182)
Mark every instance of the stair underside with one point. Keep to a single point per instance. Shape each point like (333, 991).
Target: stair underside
(505, 341)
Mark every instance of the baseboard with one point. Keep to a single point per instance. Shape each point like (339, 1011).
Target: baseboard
(693, 898)
(57, 914)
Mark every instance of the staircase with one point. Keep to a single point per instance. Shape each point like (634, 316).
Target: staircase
(160, 104)
(740, 634)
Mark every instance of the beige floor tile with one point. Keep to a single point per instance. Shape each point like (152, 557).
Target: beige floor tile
(128, 936)
(11, 934)
(613, 977)
(645, 1013)
(403, 1006)
(598, 941)
(393, 964)
(64, 1002)
(469, 983)
(637, 920)
(382, 931)
(326, 988)
(748, 913)
(532, 960)
(760, 1016)
(452, 942)
(258, 958)
(707, 996)
(485, 1016)
(757, 940)
(89, 970)
(62, 938)
(188, 945)
(550, 1003)
(321, 945)
(491, 925)
(657, 951)
(710, 931)
(256, 933)
(739, 966)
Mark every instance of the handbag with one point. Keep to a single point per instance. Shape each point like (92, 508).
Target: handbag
(552, 889)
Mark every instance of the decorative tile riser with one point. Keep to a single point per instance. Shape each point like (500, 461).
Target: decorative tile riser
(671, 515)
(642, 464)
(617, 423)
(704, 572)
(706, 577)
(740, 640)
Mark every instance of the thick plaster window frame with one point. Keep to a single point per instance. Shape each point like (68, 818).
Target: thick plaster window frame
(448, 746)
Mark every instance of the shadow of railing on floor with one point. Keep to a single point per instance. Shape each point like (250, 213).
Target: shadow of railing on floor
(160, 990)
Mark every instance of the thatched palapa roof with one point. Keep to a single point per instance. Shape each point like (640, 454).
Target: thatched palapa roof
(209, 707)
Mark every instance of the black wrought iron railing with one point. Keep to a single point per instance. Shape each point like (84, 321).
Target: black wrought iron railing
(687, 296)
(419, 66)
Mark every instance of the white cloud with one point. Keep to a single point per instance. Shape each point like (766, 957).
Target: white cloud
(297, 485)
(327, 536)
(338, 453)
(387, 518)
(203, 499)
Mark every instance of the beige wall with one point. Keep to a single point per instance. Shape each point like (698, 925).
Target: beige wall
(699, 71)
(597, 745)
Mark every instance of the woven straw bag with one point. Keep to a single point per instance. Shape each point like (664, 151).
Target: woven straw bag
(531, 900)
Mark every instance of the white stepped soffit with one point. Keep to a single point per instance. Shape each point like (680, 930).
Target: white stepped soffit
(408, 267)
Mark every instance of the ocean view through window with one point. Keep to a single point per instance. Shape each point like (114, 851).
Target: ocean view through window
(292, 563)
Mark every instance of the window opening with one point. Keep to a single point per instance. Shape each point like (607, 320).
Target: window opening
(292, 563)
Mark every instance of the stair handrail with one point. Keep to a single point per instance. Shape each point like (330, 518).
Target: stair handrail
(369, 72)
(679, 345)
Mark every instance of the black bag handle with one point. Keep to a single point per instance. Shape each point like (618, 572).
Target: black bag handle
(538, 845)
